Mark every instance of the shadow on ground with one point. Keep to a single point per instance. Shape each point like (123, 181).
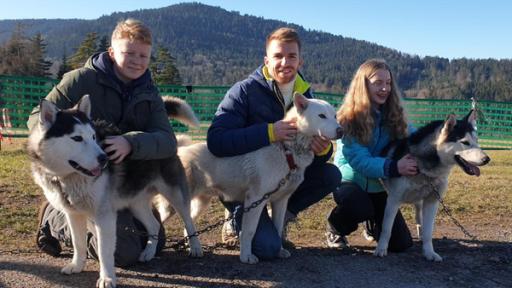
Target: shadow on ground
(466, 264)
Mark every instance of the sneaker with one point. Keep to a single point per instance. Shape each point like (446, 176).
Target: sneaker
(288, 218)
(336, 241)
(44, 239)
(370, 231)
(229, 236)
(369, 237)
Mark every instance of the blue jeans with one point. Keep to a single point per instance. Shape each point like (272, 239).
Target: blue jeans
(319, 181)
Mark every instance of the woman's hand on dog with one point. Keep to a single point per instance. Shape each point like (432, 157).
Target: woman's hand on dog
(319, 144)
(407, 166)
(117, 148)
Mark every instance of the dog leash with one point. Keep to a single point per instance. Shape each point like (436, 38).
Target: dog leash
(445, 209)
(182, 243)
(448, 212)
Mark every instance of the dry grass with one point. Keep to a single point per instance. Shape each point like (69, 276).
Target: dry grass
(485, 199)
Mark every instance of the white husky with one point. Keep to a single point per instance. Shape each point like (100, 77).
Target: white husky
(73, 172)
(437, 147)
(246, 178)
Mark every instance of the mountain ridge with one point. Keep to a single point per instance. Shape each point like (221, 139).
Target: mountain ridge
(214, 46)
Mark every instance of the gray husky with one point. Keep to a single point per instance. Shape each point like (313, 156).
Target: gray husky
(74, 173)
(437, 147)
(246, 178)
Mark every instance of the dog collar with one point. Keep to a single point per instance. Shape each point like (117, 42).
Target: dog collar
(289, 158)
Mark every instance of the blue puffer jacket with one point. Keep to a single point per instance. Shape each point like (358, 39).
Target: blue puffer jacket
(241, 122)
(361, 163)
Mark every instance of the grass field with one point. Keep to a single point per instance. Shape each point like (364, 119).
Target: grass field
(485, 199)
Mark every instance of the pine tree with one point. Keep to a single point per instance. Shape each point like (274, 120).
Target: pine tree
(163, 68)
(13, 55)
(39, 65)
(87, 48)
(64, 66)
(103, 44)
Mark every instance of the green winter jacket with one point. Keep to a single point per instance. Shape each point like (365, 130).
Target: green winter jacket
(141, 116)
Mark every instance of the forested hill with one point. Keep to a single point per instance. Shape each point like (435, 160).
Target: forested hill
(217, 47)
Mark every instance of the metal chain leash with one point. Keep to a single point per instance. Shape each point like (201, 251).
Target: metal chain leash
(181, 244)
(19, 251)
(448, 212)
(444, 207)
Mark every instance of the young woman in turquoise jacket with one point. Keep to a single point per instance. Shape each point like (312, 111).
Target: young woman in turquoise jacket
(372, 116)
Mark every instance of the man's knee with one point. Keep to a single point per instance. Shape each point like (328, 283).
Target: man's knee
(326, 175)
(332, 174)
(266, 242)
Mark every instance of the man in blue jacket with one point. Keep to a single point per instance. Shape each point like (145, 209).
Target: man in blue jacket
(250, 117)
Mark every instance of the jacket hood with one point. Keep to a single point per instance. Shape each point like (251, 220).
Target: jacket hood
(102, 63)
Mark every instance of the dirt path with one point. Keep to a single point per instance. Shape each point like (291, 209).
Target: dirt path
(483, 263)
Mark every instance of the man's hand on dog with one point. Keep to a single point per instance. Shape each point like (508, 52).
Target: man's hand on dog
(117, 148)
(285, 130)
(407, 166)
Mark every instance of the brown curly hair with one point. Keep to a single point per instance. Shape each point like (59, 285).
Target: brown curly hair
(354, 115)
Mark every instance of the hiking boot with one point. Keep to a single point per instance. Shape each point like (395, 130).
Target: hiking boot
(229, 235)
(288, 218)
(44, 239)
(336, 241)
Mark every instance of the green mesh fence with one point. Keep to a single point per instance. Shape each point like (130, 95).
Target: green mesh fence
(18, 95)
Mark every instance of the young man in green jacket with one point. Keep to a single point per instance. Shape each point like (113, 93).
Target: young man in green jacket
(122, 92)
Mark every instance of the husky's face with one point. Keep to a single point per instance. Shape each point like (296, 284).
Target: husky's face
(67, 140)
(316, 117)
(458, 144)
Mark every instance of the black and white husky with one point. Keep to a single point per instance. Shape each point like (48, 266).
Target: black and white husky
(437, 147)
(74, 173)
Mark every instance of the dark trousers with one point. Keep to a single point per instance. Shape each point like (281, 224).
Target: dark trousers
(131, 235)
(354, 206)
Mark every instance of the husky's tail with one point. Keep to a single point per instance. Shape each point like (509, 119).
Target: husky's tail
(180, 110)
(184, 140)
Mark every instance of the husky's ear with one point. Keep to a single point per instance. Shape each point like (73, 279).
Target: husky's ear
(448, 125)
(471, 117)
(84, 105)
(300, 102)
(47, 113)
(450, 122)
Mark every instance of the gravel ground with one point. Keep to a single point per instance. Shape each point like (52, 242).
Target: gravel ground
(486, 262)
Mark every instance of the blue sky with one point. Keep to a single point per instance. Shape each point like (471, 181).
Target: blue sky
(445, 28)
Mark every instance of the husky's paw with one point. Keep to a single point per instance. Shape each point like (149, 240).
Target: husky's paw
(380, 251)
(283, 253)
(249, 258)
(196, 252)
(106, 282)
(148, 253)
(433, 256)
(72, 268)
